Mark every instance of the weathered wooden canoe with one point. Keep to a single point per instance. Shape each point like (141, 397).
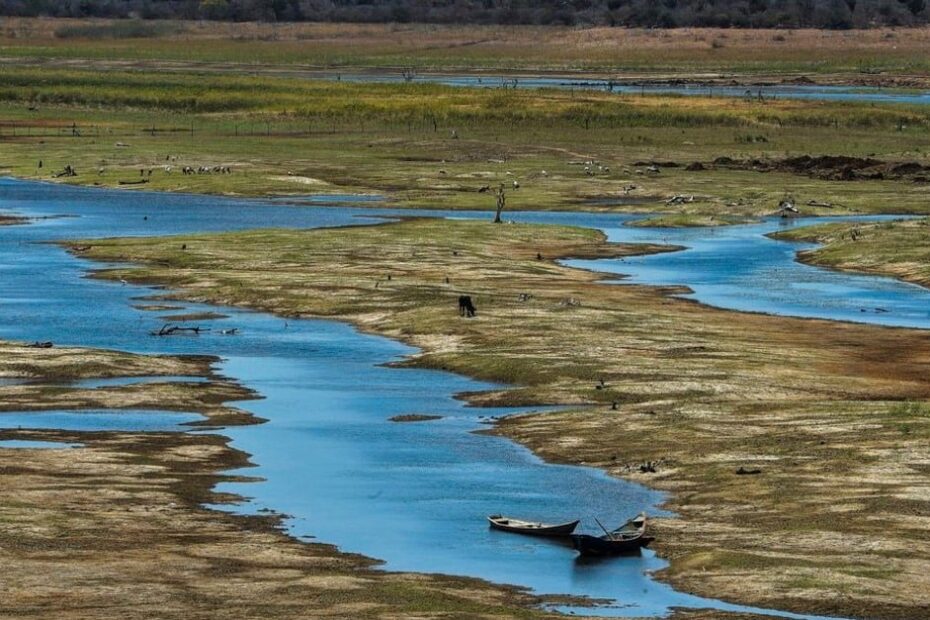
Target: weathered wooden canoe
(628, 538)
(532, 528)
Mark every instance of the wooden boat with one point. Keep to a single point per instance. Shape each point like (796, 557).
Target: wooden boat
(628, 538)
(532, 528)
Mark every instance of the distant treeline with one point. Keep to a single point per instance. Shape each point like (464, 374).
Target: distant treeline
(835, 14)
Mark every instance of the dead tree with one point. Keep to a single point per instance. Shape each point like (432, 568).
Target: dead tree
(501, 202)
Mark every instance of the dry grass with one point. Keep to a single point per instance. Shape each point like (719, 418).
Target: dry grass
(679, 51)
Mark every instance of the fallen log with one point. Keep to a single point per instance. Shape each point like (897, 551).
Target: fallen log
(170, 330)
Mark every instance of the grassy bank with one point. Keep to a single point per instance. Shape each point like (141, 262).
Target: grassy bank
(423, 145)
(831, 414)
(870, 55)
(898, 249)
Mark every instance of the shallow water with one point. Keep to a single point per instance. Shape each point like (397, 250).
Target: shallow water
(739, 268)
(27, 444)
(412, 494)
(773, 91)
(100, 420)
(125, 381)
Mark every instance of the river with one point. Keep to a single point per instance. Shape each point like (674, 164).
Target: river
(413, 495)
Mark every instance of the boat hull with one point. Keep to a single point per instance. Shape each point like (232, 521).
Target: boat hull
(532, 529)
(595, 545)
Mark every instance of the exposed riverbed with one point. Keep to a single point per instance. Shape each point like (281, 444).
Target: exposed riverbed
(414, 495)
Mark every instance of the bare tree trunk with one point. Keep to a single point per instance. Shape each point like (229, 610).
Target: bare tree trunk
(501, 201)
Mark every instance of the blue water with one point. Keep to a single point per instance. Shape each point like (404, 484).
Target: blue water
(105, 420)
(739, 268)
(27, 444)
(772, 91)
(126, 381)
(412, 494)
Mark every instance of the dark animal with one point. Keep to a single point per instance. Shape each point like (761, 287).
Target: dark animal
(466, 307)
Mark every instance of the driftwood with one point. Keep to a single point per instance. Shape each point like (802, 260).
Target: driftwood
(679, 199)
(170, 330)
(48, 344)
(742, 471)
(68, 171)
(139, 182)
(822, 205)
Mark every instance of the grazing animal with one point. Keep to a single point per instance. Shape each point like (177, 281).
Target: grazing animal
(466, 307)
